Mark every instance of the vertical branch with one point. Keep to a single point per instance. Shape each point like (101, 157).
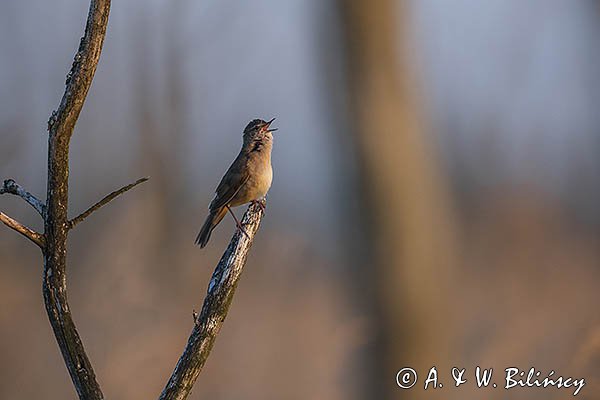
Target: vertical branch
(214, 310)
(60, 126)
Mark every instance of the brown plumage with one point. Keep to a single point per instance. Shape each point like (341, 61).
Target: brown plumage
(247, 179)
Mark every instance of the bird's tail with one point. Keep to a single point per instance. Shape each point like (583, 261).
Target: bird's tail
(213, 219)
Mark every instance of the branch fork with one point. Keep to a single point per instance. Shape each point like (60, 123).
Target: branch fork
(12, 187)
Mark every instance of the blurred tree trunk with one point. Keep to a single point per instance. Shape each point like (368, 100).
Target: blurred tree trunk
(403, 201)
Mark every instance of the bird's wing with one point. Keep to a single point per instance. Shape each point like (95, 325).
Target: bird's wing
(234, 179)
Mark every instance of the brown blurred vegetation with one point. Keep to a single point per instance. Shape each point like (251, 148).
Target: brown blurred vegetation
(380, 258)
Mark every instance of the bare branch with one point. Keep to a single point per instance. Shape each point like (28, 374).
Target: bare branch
(30, 234)
(12, 187)
(79, 79)
(60, 127)
(214, 310)
(104, 201)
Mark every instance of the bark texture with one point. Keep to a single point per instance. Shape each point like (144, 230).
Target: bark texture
(56, 224)
(214, 310)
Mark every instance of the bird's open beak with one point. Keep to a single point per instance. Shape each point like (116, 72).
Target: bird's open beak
(268, 124)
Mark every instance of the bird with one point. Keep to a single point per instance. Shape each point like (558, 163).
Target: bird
(248, 179)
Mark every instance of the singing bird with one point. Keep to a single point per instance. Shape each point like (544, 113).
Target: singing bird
(248, 179)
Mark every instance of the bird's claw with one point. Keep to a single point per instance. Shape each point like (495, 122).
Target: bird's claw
(241, 228)
(262, 204)
(238, 223)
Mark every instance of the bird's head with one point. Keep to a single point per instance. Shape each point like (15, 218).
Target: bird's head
(259, 131)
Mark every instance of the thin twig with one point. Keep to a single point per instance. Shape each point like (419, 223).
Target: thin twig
(30, 234)
(104, 201)
(12, 187)
(214, 310)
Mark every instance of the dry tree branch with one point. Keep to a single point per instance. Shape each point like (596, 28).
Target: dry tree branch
(55, 212)
(104, 201)
(12, 187)
(214, 310)
(30, 234)
(60, 127)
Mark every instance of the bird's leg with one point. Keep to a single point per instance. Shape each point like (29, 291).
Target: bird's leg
(261, 203)
(237, 223)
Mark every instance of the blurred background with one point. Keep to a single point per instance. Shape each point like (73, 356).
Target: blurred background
(436, 198)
